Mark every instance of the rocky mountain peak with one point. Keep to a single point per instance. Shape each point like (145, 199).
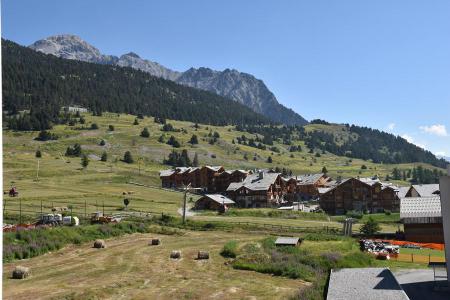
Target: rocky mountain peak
(230, 83)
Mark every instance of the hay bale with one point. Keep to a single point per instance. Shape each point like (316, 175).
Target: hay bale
(155, 242)
(99, 244)
(203, 255)
(175, 254)
(21, 272)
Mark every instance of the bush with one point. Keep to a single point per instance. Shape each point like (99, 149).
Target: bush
(45, 135)
(370, 227)
(354, 214)
(38, 154)
(94, 126)
(111, 128)
(229, 249)
(387, 212)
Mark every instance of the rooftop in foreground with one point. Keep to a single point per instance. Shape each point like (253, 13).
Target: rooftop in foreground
(364, 283)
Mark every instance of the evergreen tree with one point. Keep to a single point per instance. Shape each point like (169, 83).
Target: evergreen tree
(111, 127)
(104, 156)
(136, 122)
(161, 138)
(324, 170)
(370, 227)
(102, 143)
(193, 140)
(38, 154)
(195, 161)
(269, 159)
(128, 158)
(145, 133)
(94, 126)
(84, 161)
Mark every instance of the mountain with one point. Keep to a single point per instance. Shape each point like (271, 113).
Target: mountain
(41, 84)
(447, 158)
(241, 87)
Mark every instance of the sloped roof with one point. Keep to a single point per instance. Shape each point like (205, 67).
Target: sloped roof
(426, 190)
(287, 241)
(166, 173)
(214, 168)
(307, 179)
(221, 199)
(364, 283)
(420, 207)
(401, 192)
(255, 182)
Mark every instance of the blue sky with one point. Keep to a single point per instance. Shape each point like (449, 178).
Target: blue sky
(382, 64)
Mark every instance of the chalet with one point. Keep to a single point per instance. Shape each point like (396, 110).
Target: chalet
(257, 190)
(308, 185)
(422, 219)
(208, 178)
(423, 190)
(228, 176)
(74, 109)
(214, 202)
(360, 194)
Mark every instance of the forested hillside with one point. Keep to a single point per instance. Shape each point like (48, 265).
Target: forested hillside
(41, 84)
(347, 140)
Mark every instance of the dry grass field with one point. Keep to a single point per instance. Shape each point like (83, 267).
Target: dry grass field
(130, 269)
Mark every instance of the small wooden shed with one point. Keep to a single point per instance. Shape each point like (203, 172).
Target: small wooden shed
(288, 241)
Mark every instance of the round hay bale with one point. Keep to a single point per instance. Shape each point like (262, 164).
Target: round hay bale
(175, 254)
(155, 242)
(203, 255)
(21, 272)
(99, 244)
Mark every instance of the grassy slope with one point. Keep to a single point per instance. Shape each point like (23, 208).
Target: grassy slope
(62, 182)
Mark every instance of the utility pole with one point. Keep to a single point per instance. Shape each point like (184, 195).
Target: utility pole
(186, 189)
(37, 172)
(20, 210)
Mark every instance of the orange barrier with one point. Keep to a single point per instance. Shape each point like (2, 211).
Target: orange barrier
(434, 246)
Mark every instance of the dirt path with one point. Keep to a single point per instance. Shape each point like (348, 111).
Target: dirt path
(130, 269)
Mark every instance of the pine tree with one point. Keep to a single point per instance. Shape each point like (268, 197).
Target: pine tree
(195, 161)
(324, 170)
(269, 159)
(145, 133)
(193, 140)
(84, 161)
(104, 156)
(128, 158)
(136, 122)
(38, 154)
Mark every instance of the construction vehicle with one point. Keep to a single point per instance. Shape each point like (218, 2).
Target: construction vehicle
(71, 221)
(99, 218)
(50, 220)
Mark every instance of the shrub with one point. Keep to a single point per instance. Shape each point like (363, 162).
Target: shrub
(111, 127)
(104, 156)
(45, 135)
(354, 214)
(387, 212)
(229, 249)
(370, 227)
(94, 126)
(102, 143)
(38, 154)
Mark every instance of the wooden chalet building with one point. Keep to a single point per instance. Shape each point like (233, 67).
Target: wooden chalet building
(257, 190)
(422, 219)
(423, 190)
(214, 202)
(209, 178)
(360, 195)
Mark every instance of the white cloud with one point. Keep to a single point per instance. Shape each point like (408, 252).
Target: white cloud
(437, 129)
(411, 140)
(440, 153)
(390, 126)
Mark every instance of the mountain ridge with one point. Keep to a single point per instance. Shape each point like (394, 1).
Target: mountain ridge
(232, 84)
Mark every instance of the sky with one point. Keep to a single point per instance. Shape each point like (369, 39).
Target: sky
(383, 64)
